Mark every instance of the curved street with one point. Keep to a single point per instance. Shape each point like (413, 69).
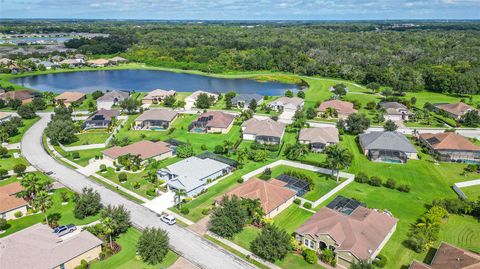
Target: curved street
(191, 246)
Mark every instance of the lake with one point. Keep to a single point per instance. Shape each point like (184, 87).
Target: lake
(147, 80)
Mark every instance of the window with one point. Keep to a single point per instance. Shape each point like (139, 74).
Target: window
(312, 244)
(309, 243)
(306, 242)
(62, 266)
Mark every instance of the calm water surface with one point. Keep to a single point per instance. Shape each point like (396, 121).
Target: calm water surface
(147, 80)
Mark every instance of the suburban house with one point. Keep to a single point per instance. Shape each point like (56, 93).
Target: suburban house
(456, 110)
(391, 147)
(5, 116)
(111, 98)
(67, 98)
(156, 96)
(72, 62)
(192, 99)
(48, 65)
(450, 257)
(451, 147)
(145, 149)
(272, 194)
(193, 174)
(351, 230)
(26, 96)
(155, 119)
(318, 138)
(10, 203)
(243, 100)
(212, 122)
(395, 111)
(287, 104)
(342, 108)
(79, 56)
(38, 247)
(118, 60)
(101, 119)
(98, 62)
(266, 131)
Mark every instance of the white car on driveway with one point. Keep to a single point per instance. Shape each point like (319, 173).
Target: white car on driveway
(168, 219)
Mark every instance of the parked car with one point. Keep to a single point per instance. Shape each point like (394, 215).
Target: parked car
(64, 229)
(168, 219)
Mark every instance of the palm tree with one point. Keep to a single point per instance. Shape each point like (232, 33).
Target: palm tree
(32, 185)
(108, 227)
(179, 193)
(242, 155)
(42, 202)
(254, 209)
(362, 264)
(337, 158)
(3, 136)
(296, 151)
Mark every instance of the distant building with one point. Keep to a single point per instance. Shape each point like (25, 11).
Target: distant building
(98, 62)
(451, 147)
(212, 122)
(395, 111)
(5, 116)
(287, 104)
(101, 119)
(111, 98)
(266, 131)
(48, 65)
(342, 108)
(155, 119)
(118, 60)
(391, 147)
(450, 257)
(26, 96)
(318, 138)
(193, 174)
(156, 96)
(456, 110)
(144, 149)
(10, 203)
(243, 100)
(67, 98)
(351, 230)
(38, 247)
(72, 62)
(192, 99)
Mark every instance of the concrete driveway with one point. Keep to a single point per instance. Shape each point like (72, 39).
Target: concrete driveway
(191, 246)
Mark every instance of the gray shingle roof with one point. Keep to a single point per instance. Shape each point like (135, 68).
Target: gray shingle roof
(247, 98)
(386, 141)
(112, 95)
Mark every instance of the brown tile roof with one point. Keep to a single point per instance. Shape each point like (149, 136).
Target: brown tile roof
(450, 257)
(20, 94)
(360, 233)
(266, 127)
(146, 149)
(458, 109)
(37, 247)
(319, 135)
(194, 95)
(342, 107)
(158, 93)
(69, 97)
(157, 114)
(8, 198)
(271, 194)
(449, 141)
(98, 61)
(218, 119)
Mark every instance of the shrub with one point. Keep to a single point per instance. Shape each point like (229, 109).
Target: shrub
(3, 224)
(206, 211)
(151, 192)
(87, 203)
(380, 261)
(390, 183)
(404, 188)
(3, 173)
(240, 180)
(75, 155)
(103, 167)
(136, 185)
(361, 177)
(65, 197)
(184, 210)
(375, 181)
(83, 265)
(218, 149)
(203, 147)
(328, 256)
(19, 168)
(307, 205)
(18, 214)
(267, 174)
(297, 201)
(122, 177)
(310, 256)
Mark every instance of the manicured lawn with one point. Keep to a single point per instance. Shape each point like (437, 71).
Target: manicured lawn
(89, 138)
(126, 258)
(85, 155)
(26, 125)
(472, 192)
(291, 218)
(246, 236)
(10, 162)
(462, 231)
(322, 183)
(295, 261)
(66, 212)
(181, 133)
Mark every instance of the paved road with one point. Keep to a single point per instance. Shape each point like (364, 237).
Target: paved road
(191, 246)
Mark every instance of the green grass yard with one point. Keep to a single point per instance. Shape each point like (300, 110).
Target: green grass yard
(89, 138)
(126, 258)
(291, 218)
(9, 162)
(472, 192)
(21, 131)
(85, 155)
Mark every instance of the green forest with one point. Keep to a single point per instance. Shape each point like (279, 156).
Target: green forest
(439, 57)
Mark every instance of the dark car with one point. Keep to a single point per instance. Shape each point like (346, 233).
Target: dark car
(64, 229)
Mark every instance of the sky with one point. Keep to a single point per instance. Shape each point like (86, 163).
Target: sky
(242, 9)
